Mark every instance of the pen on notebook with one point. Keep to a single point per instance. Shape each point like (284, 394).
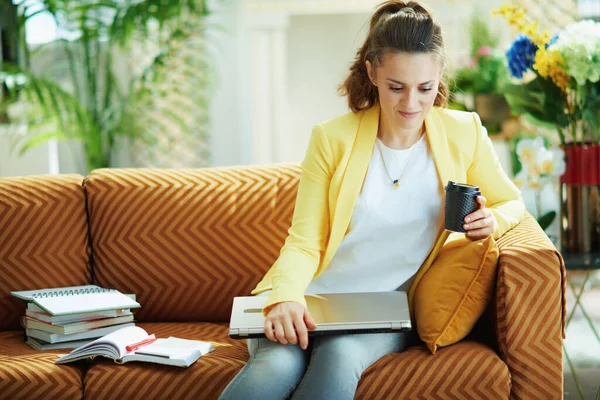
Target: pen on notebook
(135, 346)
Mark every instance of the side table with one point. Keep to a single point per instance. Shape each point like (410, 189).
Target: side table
(586, 264)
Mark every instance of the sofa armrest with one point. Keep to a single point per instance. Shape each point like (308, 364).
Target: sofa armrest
(530, 309)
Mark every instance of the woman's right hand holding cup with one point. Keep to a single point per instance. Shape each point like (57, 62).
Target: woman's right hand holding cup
(288, 322)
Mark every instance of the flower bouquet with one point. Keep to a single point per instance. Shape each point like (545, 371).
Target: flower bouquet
(558, 78)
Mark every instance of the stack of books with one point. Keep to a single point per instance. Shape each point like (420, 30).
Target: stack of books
(67, 318)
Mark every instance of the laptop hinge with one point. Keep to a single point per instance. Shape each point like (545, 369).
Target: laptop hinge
(396, 325)
(243, 332)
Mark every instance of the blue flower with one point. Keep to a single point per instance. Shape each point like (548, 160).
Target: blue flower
(521, 56)
(552, 41)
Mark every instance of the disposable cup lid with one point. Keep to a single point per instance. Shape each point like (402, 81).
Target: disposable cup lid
(462, 188)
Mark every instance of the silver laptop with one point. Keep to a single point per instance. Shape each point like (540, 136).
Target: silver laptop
(334, 313)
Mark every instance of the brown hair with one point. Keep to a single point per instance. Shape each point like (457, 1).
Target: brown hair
(396, 26)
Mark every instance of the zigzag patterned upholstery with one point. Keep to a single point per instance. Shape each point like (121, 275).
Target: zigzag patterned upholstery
(27, 374)
(43, 238)
(466, 370)
(187, 241)
(205, 379)
(531, 311)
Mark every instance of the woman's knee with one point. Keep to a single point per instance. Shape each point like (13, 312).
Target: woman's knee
(277, 360)
(355, 352)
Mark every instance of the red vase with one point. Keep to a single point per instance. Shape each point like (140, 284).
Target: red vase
(582, 165)
(580, 199)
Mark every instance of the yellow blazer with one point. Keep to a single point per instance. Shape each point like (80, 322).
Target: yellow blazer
(333, 172)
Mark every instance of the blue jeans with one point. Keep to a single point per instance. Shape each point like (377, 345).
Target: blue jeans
(329, 368)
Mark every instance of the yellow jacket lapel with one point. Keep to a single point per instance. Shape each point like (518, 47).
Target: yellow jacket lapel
(436, 135)
(354, 176)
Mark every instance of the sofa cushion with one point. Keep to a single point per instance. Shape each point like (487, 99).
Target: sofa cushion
(186, 241)
(205, 379)
(43, 238)
(466, 370)
(28, 374)
(455, 291)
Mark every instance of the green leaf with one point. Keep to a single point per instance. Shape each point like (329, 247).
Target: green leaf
(546, 219)
(41, 139)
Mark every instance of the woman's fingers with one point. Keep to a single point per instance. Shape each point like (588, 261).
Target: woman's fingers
(280, 332)
(269, 330)
(287, 322)
(479, 224)
(301, 331)
(290, 331)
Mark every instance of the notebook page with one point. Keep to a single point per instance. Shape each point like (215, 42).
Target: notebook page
(86, 303)
(29, 294)
(117, 340)
(175, 347)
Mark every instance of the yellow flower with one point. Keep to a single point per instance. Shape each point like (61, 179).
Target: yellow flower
(551, 64)
(516, 17)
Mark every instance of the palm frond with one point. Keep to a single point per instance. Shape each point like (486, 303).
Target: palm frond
(168, 106)
(139, 16)
(48, 105)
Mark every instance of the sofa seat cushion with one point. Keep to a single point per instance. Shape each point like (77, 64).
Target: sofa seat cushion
(205, 379)
(466, 370)
(26, 373)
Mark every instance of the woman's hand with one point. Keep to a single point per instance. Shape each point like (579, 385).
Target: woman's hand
(287, 322)
(481, 223)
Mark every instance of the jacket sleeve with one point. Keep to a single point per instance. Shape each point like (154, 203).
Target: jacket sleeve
(304, 247)
(503, 197)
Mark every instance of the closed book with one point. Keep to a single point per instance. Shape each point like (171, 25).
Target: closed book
(57, 337)
(41, 345)
(75, 327)
(170, 351)
(77, 299)
(36, 312)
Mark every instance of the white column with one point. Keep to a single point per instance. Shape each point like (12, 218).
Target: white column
(268, 79)
(53, 157)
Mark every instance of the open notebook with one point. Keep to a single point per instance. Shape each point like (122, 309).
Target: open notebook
(171, 351)
(77, 299)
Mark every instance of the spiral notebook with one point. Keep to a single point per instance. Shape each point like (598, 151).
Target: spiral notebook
(77, 299)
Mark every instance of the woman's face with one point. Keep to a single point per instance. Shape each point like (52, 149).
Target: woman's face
(407, 85)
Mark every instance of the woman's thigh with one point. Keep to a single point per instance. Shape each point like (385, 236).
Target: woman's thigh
(337, 362)
(357, 351)
(272, 372)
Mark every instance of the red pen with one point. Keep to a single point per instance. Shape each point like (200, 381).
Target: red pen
(135, 346)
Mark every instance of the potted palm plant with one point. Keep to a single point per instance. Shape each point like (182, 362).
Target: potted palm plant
(92, 103)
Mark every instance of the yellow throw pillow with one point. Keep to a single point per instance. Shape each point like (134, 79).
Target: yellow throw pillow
(455, 291)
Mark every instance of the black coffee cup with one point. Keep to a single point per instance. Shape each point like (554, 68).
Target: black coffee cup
(461, 200)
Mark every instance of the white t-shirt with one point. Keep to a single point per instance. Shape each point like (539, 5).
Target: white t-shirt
(392, 230)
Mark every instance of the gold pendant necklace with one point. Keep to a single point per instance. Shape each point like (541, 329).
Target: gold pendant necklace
(396, 182)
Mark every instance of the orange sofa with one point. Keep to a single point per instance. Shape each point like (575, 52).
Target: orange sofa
(187, 241)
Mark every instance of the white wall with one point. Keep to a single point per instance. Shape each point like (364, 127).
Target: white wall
(320, 51)
(229, 132)
(35, 162)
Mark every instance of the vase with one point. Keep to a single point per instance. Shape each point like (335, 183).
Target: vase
(580, 199)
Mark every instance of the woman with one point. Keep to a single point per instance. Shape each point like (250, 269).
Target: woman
(369, 210)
